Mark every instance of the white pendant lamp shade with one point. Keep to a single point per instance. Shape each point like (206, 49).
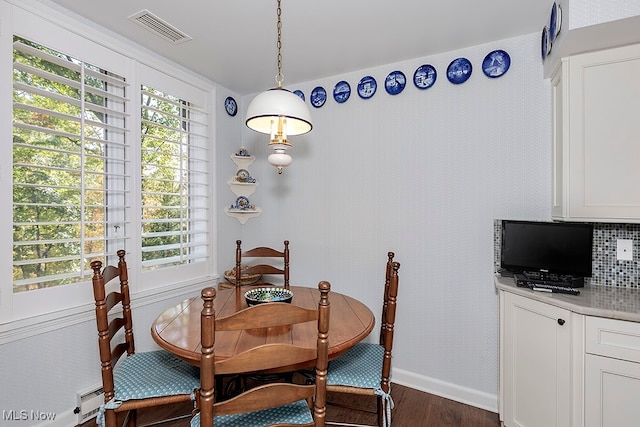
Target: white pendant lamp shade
(278, 103)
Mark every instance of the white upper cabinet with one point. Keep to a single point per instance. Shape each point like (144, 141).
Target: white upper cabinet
(596, 135)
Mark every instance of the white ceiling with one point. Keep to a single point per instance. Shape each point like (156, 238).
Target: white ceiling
(234, 41)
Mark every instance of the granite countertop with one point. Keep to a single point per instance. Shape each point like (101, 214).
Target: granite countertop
(601, 301)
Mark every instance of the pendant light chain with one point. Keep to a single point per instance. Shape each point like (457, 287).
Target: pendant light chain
(279, 76)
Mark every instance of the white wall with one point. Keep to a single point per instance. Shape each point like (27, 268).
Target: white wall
(423, 174)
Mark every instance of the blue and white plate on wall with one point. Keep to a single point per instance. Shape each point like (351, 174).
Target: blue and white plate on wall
(318, 97)
(545, 43)
(341, 92)
(425, 76)
(496, 63)
(395, 82)
(299, 93)
(230, 106)
(367, 87)
(555, 21)
(459, 71)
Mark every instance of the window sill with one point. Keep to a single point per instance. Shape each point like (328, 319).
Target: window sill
(25, 328)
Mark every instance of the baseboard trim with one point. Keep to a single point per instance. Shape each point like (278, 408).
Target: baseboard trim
(447, 390)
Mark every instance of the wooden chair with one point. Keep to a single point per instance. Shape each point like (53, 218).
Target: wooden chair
(140, 380)
(366, 368)
(282, 404)
(263, 252)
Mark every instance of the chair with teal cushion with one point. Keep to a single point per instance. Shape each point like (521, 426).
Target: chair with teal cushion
(283, 403)
(139, 380)
(366, 368)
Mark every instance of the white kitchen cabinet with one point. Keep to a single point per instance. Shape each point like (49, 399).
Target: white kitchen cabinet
(596, 135)
(535, 368)
(612, 373)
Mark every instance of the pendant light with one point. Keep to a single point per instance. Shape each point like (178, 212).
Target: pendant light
(279, 113)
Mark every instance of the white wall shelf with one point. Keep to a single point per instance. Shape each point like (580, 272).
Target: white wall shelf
(242, 185)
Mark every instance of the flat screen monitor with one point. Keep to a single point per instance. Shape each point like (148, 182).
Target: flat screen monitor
(561, 248)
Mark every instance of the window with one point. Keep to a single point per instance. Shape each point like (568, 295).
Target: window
(108, 153)
(70, 174)
(174, 181)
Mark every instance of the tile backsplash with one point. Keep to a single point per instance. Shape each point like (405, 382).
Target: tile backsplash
(607, 269)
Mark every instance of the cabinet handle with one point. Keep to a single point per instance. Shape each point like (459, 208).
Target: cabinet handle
(560, 322)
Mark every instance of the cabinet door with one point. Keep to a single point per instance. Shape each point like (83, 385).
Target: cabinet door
(604, 135)
(537, 363)
(612, 387)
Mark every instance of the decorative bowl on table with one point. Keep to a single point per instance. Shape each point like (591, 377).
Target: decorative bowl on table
(245, 279)
(263, 295)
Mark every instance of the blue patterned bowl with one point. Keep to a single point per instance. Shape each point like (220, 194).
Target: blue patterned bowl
(262, 295)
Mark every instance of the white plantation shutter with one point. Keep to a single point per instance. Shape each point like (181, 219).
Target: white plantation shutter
(71, 170)
(174, 178)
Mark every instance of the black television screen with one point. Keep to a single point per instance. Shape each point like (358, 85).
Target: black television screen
(548, 247)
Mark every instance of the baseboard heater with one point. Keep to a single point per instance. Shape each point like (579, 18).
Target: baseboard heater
(89, 402)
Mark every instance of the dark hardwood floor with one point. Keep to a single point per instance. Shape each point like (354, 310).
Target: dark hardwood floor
(413, 408)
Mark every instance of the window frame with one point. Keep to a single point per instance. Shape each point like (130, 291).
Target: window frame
(23, 315)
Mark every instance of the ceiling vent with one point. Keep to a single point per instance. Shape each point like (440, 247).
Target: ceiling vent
(156, 25)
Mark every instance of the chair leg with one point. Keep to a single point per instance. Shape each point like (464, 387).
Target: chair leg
(132, 418)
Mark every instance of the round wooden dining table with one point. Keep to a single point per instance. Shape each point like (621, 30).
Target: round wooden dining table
(177, 329)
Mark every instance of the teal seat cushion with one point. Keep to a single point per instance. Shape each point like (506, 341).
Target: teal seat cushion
(359, 367)
(362, 367)
(153, 374)
(150, 374)
(295, 413)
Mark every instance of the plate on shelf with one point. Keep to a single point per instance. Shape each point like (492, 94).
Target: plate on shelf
(243, 175)
(459, 71)
(341, 92)
(395, 82)
(425, 76)
(367, 87)
(318, 97)
(242, 203)
(243, 152)
(496, 63)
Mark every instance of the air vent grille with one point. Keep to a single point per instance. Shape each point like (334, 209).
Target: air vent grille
(160, 27)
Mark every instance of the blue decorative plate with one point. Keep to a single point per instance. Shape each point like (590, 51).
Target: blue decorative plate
(545, 43)
(496, 63)
(318, 97)
(555, 22)
(299, 93)
(459, 71)
(231, 106)
(425, 76)
(341, 92)
(367, 87)
(395, 82)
